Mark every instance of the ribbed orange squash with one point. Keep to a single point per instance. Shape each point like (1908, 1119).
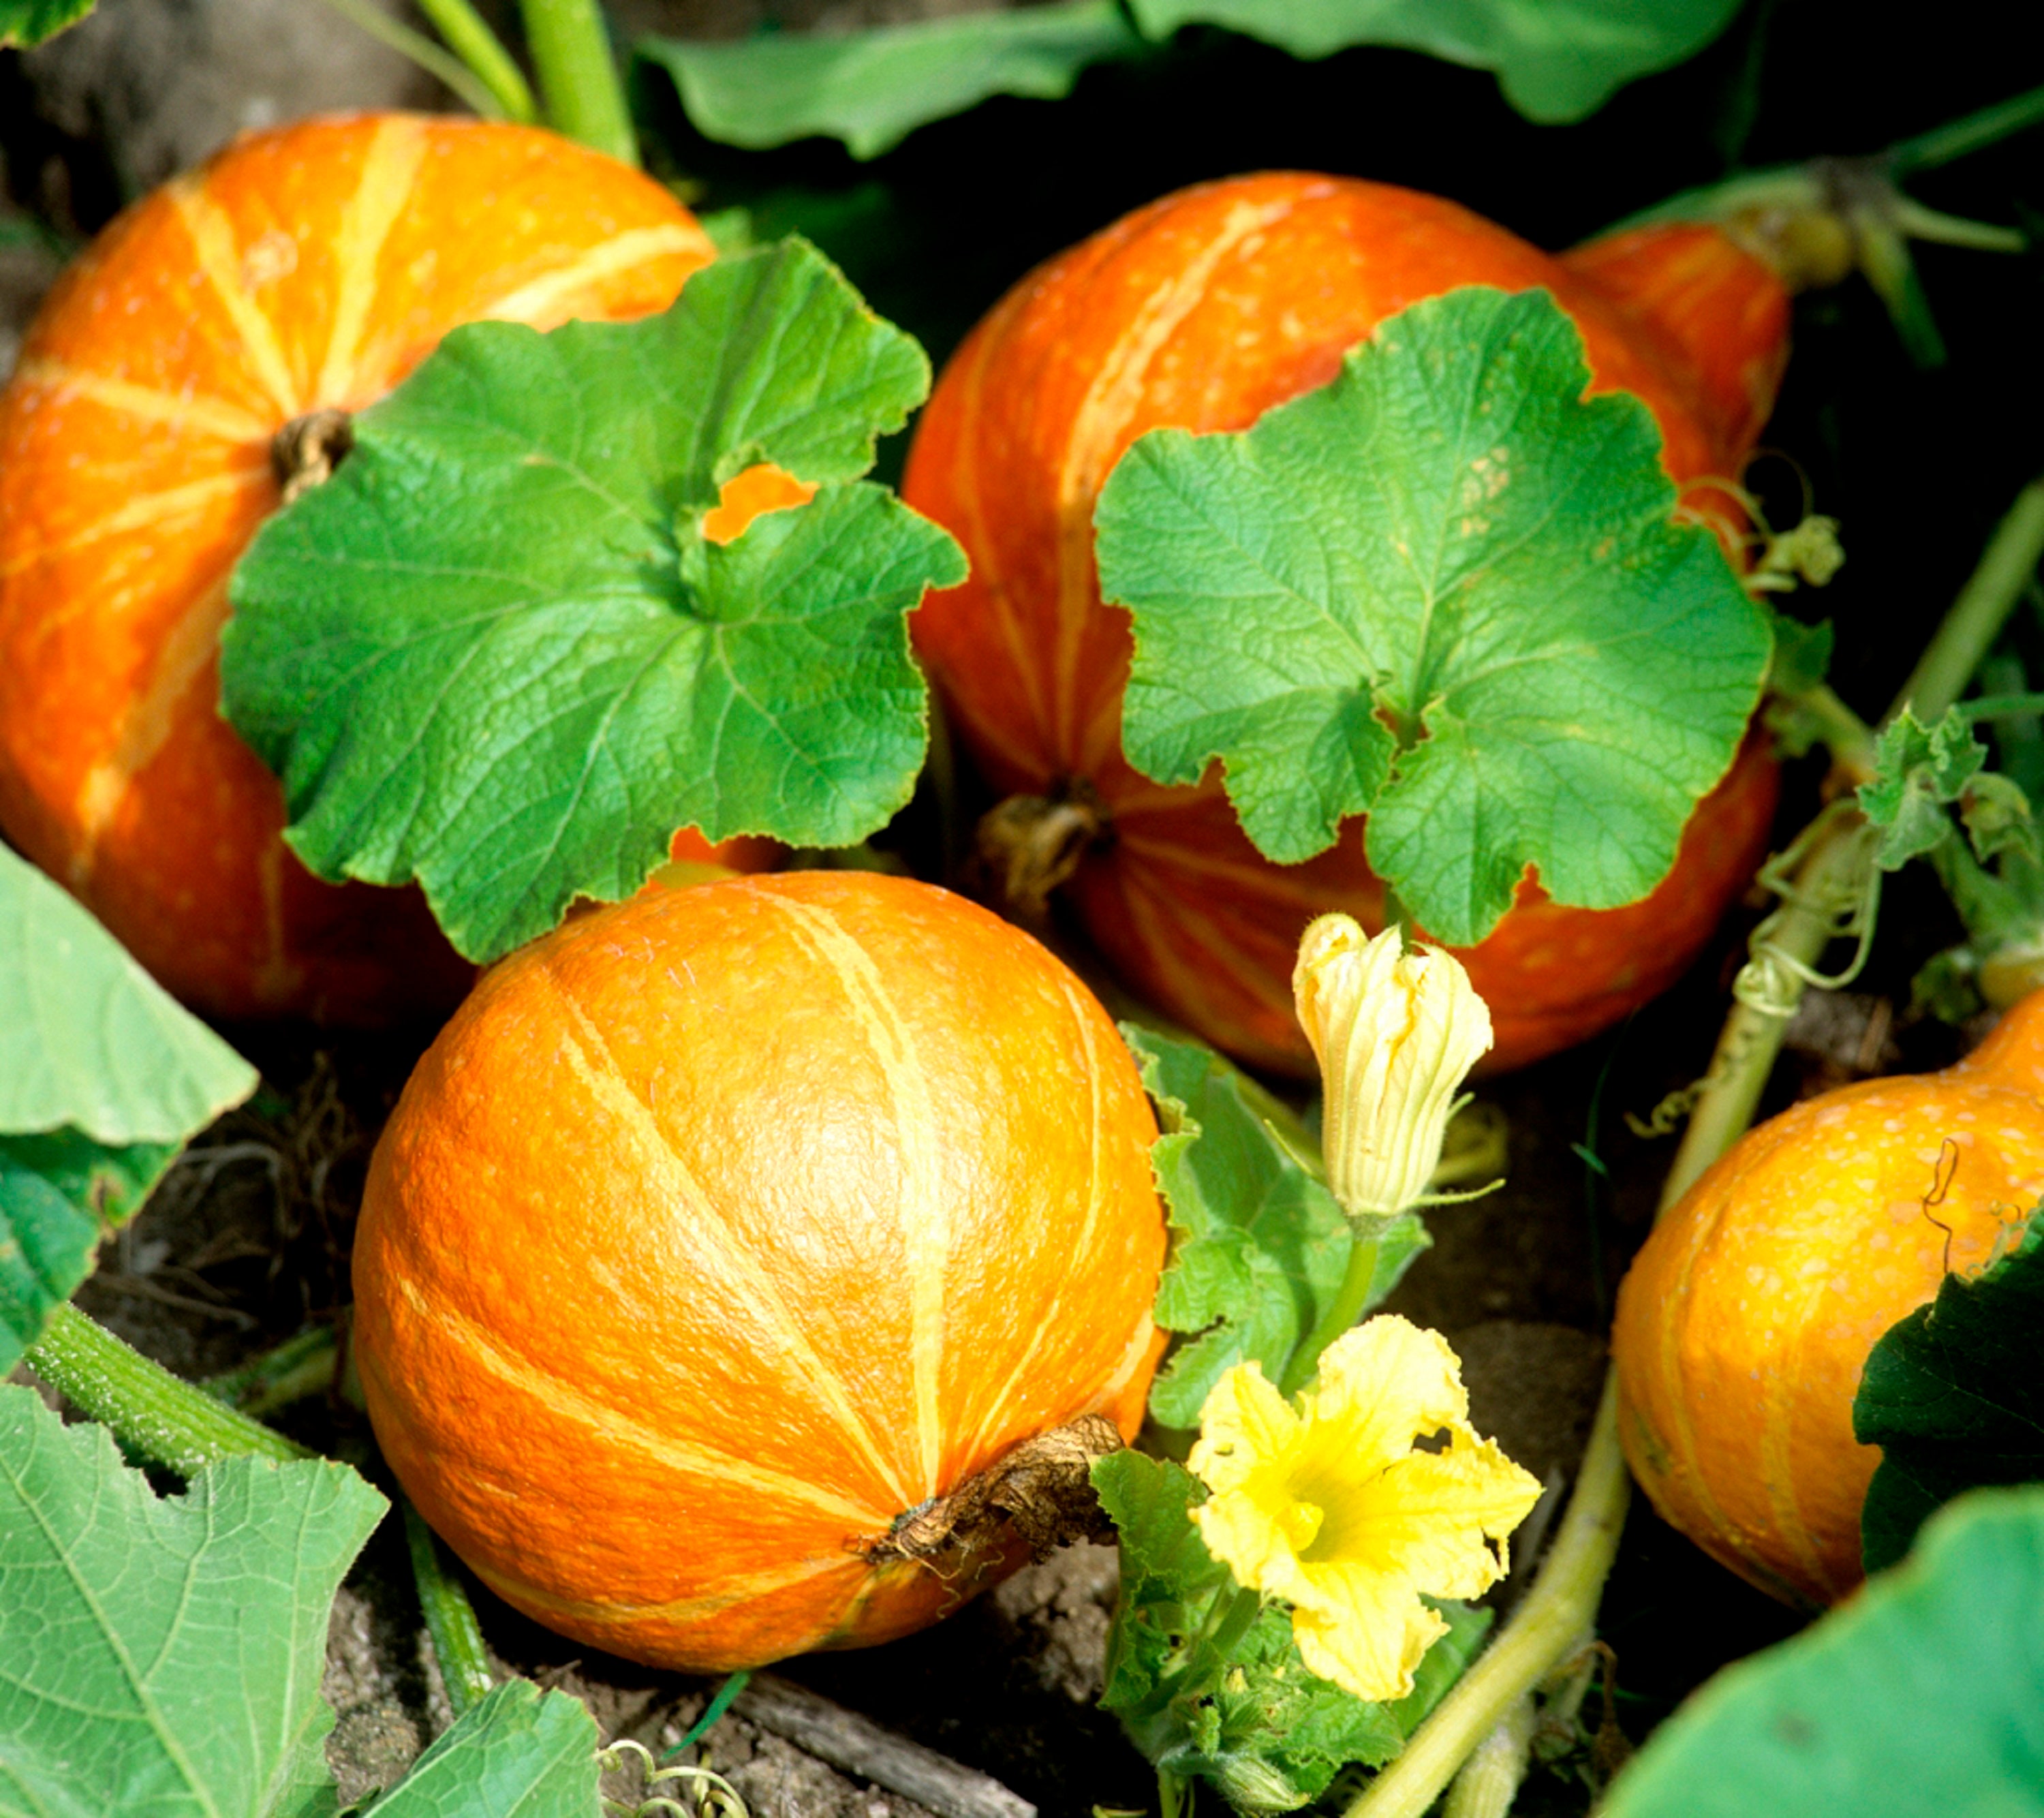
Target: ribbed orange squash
(722, 1227)
(1747, 1317)
(310, 266)
(1201, 311)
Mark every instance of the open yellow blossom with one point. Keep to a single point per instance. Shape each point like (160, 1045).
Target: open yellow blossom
(1395, 1033)
(1331, 1505)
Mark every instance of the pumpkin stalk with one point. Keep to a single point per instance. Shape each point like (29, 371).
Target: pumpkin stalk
(164, 1418)
(1562, 1603)
(471, 39)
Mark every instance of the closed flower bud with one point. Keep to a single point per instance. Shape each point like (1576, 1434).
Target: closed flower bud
(1395, 1033)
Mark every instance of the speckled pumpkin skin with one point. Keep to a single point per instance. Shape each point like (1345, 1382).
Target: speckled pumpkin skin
(1200, 312)
(722, 1227)
(310, 267)
(1747, 1317)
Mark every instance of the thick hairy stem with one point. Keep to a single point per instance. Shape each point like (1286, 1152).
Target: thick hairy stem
(1342, 1312)
(1563, 1601)
(578, 78)
(162, 1416)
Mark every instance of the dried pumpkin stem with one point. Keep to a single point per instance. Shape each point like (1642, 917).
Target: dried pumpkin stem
(164, 1418)
(1562, 1604)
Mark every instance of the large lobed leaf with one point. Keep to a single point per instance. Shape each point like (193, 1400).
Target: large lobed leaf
(1924, 1697)
(1556, 61)
(1258, 1245)
(872, 88)
(103, 1078)
(1954, 1395)
(497, 653)
(163, 1656)
(1446, 590)
(1271, 1734)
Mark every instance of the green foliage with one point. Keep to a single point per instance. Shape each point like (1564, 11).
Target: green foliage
(1556, 61)
(25, 22)
(1920, 770)
(89, 1040)
(872, 88)
(496, 653)
(103, 1077)
(59, 1193)
(1258, 1244)
(1251, 1719)
(519, 1753)
(1448, 590)
(1954, 1395)
(1923, 1696)
(164, 1655)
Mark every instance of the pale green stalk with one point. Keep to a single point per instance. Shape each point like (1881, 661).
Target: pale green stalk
(471, 39)
(578, 78)
(470, 90)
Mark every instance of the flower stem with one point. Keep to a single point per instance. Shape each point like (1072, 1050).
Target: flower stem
(457, 1637)
(1941, 144)
(162, 1416)
(1342, 1312)
(578, 78)
(1490, 1778)
(1563, 1601)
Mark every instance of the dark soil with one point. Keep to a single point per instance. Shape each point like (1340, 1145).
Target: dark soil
(248, 1239)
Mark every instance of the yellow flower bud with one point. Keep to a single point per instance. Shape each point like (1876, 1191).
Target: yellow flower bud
(1395, 1033)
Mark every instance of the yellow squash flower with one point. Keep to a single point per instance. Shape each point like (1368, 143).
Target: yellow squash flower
(1395, 1033)
(1331, 1506)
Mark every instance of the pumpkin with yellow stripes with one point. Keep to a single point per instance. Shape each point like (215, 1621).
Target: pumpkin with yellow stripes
(726, 1236)
(1747, 1317)
(304, 270)
(1200, 312)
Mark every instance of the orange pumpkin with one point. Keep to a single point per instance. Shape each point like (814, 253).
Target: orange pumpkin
(1201, 311)
(306, 268)
(1747, 1317)
(722, 1229)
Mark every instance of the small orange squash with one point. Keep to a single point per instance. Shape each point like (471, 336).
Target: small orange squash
(305, 268)
(724, 1228)
(1200, 312)
(1747, 1317)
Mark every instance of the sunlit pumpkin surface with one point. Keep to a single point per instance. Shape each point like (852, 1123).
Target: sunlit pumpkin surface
(721, 1228)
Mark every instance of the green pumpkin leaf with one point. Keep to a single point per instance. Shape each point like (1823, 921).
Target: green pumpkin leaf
(496, 654)
(103, 1077)
(1556, 61)
(26, 22)
(872, 88)
(164, 1654)
(1954, 1395)
(1918, 771)
(60, 1194)
(1255, 1723)
(89, 1040)
(1258, 1245)
(1923, 1696)
(1448, 590)
(517, 1751)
